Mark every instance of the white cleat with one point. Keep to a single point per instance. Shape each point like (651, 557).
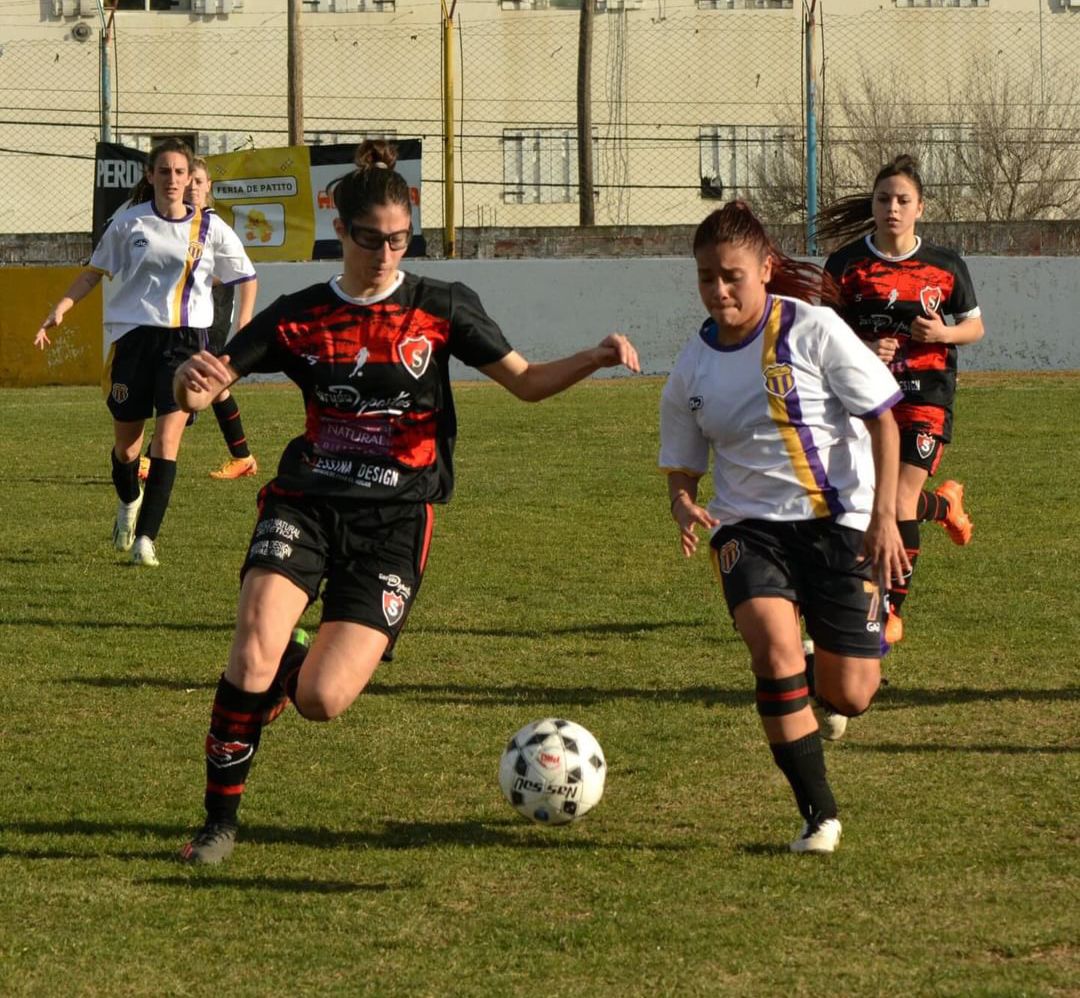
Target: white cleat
(831, 724)
(143, 553)
(819, 839)
(123, 531)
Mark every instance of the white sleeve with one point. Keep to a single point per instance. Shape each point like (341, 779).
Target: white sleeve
(854, 372)
(682, 445)
(108, 255)
(231, 262)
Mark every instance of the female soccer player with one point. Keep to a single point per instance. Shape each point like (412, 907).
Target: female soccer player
(351, 506)
(894, 290)
(795, 412)
(165, 255)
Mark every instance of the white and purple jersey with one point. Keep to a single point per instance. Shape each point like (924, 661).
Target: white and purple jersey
(781, 413)
(166, 267)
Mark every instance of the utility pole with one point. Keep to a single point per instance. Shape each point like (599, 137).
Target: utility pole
(586, 207)
(811, 131)
(449, 178)
(295, 76)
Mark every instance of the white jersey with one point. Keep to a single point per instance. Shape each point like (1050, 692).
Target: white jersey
(777, 412)
(166, 267)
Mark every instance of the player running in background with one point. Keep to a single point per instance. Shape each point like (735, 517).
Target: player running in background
(895, 290)
(350, 510)
(794, 412)
(164, 254)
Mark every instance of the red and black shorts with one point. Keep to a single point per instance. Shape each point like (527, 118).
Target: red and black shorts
(816, 564)
(924, 432)
(138, 375)
(368, 560)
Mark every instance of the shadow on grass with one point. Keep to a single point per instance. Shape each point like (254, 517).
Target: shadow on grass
(628, 629)
(458, 693)
(135, 682)
(906, 748)
(124, 625)
(286, 885)
(894, 697)
(394, 835)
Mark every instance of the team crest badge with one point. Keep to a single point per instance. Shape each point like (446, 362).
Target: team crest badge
(779, 380)
(415, 353)
(393, 607)
(924, 444)
(194, 251)
(728, 556)
(119, 393)
(930, 298)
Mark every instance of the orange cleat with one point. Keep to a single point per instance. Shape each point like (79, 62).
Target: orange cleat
(957, 524)
(894, 628)
(144, 468)
(236, 467)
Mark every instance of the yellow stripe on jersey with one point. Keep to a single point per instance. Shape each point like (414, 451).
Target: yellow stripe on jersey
(177, 295)
(780, 389)
(106, 372)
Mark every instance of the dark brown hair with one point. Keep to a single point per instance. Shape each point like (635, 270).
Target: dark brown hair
(373, 182)
(853, 216)
(144, 189)
(736, 223)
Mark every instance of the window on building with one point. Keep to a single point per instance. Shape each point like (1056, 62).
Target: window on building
(744, 4)
(346, 6)
(948, 146)
(540, 165)
(600, 6)
(735, 160)
(941, 3)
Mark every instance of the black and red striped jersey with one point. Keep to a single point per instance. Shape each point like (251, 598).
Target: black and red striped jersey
(380, 422)
(882, 295)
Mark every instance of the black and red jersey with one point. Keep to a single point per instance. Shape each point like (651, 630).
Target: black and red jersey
(380, 422)
(882, 295)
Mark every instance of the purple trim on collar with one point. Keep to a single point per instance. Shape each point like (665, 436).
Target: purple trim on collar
(709, 332)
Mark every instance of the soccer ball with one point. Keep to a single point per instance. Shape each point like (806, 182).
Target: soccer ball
(552, 771)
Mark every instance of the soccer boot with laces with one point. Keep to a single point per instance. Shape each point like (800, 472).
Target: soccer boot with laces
(211, 844)
(894, 628)
(144, 553)
(144, 468)
(127, 515)
(236, 467)
(277, 695)
(818, 838)
(957, 523)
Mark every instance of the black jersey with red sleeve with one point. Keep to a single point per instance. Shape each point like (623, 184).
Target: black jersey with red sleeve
(380, 421)
(883, 295)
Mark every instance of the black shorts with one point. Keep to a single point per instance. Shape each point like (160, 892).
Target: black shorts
(924, 450)
(816, 564)
(138, 375)
(372, 558)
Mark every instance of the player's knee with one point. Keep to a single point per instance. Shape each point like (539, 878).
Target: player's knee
(851, 701)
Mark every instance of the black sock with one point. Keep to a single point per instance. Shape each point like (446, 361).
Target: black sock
(909, 534)
(159, 486)
(125, 478)
(232, 428)
(283, 688)
(803, 763)
(931, 508)
(235, 730)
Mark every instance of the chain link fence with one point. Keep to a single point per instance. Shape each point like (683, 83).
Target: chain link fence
(691, 103)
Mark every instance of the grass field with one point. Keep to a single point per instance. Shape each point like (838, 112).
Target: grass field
(377, 856)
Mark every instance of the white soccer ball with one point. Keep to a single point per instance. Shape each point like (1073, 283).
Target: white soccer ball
(552, 771)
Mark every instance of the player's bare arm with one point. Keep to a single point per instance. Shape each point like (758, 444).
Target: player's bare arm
(80, 288)
(199, 380)
(882, 543)
(682, 494)
(535, 382)
(931, 329)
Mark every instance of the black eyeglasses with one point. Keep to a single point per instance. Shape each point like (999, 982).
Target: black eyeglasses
(372, 239)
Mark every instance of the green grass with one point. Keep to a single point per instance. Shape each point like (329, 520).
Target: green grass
(377, 856)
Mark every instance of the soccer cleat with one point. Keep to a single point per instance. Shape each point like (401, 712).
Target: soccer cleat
(276, 694)
(957, 523)
(144, 468)
(831, 724)
(236, 467)
(212, 844)
(819, 838)
(894, 628)
(123, 531)
(143, 553)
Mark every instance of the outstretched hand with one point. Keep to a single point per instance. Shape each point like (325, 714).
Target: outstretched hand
(52, 320)
(616, 349)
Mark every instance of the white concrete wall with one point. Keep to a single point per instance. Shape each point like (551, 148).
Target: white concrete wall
(548, 308)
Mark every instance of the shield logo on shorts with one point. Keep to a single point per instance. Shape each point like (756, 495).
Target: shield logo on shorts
(393, 607)
(930, 298)
(924, 444)
(119, 393)
(728, 556)
(415, 353)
